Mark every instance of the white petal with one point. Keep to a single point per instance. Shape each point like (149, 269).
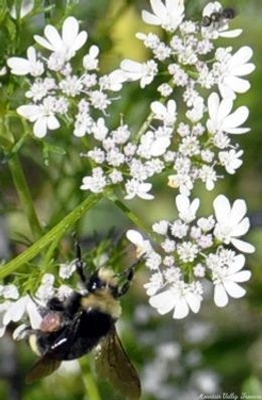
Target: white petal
(220, 296)
(234, 290)
(243, 70)
(30, 112)
(241, 276)
(182, 203)
(40, 127)
(243, 246)
(149, 18)
(52, 123)
(241, 228)
(20, 332)
(53, 37)
(158, 7)
(238, 211)
(236, 84)
(238, 264)
(164, 302)
(158, 108)
(194, 301)
(15, 311)
(94, 51)
(27, 7)
(143, 189)
(19, 66)
(79, 41)
(194, 205)
(225, 89)
(238, 131)
(34, 315)
(175, 6)
(171, 107)
(241, 56)
(70, 30)
(131, 66)
(134, 237)
(213, 104)
(145, 196)
(224, 109)
(222, 208)
(231, 34)
(236, 119)
(31, 54)
(159, 146)
(181, 309)
(43, 42)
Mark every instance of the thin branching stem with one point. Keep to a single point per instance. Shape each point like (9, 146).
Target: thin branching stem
(57, 231)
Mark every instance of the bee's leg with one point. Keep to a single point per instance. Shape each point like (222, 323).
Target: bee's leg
(79, 262)
(129, 273)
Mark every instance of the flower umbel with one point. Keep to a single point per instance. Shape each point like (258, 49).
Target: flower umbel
(193, 141)
(190, 250)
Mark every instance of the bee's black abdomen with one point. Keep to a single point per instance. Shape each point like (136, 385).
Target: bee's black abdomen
(93, 326)
(77, 338)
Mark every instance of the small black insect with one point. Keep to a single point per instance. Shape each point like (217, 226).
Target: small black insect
(83, 323)
(218, 16)
(229, 13)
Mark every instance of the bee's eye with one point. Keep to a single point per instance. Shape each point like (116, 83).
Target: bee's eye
(94, 284)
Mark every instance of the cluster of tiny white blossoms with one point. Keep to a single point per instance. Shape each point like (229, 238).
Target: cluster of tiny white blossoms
(193, 250)
(199, 145)
(56, 93)
(24, 310)
(19, 308)
(195, 139)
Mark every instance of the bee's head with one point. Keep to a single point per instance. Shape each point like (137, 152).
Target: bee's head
(103, 280)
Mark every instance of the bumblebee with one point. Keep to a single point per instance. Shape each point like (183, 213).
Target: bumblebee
(218, 17)
(83, 323)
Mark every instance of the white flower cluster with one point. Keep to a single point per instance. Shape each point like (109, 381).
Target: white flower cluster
(17, 308)
(193, 139)
(194, 249)
(199, 145)
(58, 94)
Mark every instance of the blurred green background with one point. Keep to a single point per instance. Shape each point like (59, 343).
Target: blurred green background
(216, 352)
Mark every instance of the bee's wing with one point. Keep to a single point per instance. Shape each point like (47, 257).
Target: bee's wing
(112, 364)
(42, 368)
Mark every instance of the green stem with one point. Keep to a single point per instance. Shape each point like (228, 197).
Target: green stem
(24, 195)
(148, 121)
(144, 126)
(49, 237)
(130, 214)
(89, 380)
(90, 386)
